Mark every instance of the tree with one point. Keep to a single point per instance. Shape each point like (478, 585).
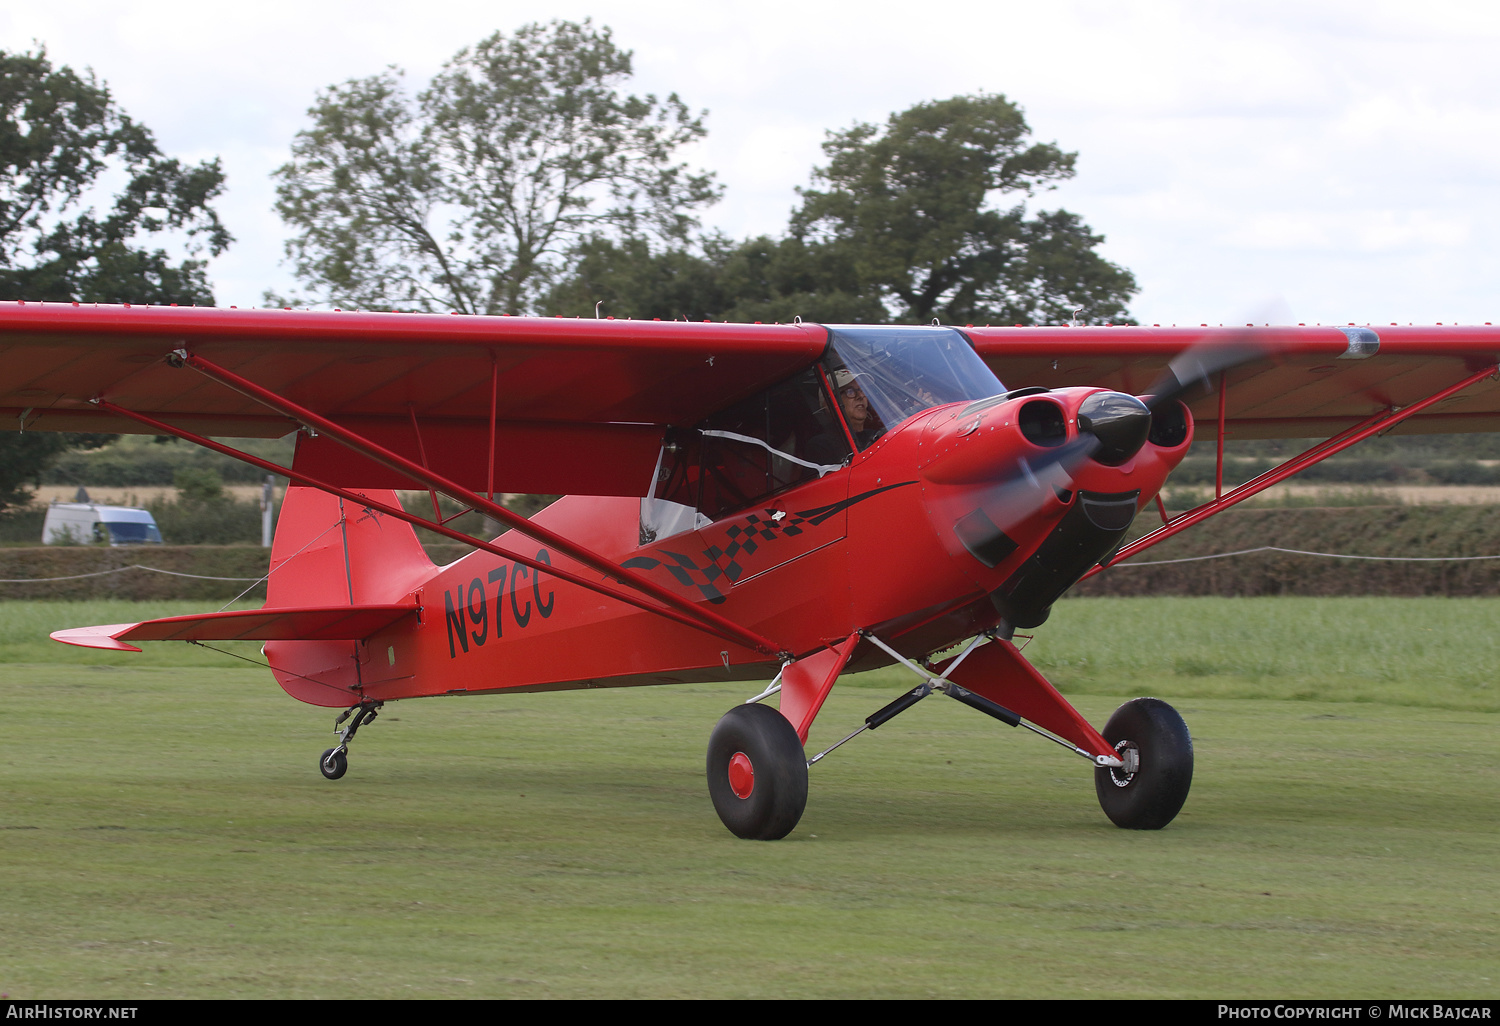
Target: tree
(905, 230)
(910, 209)
(61, 133)
(629, 278)
(761, 279)
(469, 197)
(61, 137)
(24, 455)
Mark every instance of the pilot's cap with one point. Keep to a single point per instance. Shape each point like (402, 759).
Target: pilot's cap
(845, 377)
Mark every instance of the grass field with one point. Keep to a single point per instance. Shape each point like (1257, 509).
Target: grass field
(164, 830)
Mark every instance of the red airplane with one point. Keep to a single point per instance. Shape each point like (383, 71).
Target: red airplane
(792, 501)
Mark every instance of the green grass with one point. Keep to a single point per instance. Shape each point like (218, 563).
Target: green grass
(164, 833)
(25, 626)
(1433, 652)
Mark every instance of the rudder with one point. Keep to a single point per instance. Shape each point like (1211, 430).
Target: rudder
(328, 552)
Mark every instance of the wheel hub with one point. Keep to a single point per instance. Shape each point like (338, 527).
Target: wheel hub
(741, 775)
(1130, 758)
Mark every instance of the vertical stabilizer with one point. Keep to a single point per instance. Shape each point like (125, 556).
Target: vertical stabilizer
(329, 552)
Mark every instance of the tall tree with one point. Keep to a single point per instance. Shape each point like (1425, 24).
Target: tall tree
(904, 228)
(761, 279)
(912, 209)
(61, 134)
(468, 197)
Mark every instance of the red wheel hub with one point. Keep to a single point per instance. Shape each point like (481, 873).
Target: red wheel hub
(741, 775)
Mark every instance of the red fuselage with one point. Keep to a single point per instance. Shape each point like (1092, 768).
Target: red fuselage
(919, 539)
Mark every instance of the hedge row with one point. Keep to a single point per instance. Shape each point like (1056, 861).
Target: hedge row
(108, 469)
(206, 561)
(1366, 530)
(1201, 470)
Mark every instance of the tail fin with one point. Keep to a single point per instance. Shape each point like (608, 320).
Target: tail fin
(330, 553)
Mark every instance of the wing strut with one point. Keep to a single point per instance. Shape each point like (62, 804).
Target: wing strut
(737, 635)
(1382, 420)
(722, 625)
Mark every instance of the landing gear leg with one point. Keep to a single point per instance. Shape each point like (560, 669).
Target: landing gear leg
(335, 761)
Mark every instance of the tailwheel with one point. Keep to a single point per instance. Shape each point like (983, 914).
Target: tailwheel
(334, 763)
(1147, 792)
(757, 773)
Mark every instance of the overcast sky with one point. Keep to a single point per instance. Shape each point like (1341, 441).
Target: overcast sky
(1305, 161)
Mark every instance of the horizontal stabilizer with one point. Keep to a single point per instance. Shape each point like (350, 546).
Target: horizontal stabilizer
(337, 623)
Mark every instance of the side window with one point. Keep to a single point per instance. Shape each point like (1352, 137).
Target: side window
(672, 506)
(770, 442)
(780, 438)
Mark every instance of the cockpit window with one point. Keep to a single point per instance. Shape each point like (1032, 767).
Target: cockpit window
(882, 376)
(780, 438)
(775, 440)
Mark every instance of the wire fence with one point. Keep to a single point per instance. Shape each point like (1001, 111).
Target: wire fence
(1131, 563)
(1303, 552)
(121, 570)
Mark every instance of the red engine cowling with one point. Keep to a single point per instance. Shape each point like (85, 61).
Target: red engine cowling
(1028, 491)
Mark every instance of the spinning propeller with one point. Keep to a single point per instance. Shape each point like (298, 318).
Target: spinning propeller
(984, 511)
(1197, 366)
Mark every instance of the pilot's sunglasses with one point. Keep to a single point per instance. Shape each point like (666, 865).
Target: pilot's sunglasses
(852, 391)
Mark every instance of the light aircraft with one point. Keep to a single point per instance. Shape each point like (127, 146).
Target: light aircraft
(743, 501)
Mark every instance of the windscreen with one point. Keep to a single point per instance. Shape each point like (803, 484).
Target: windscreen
(124, 533)
(884, 375)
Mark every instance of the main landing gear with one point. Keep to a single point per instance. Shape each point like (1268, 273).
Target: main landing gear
(757, 773)
(1156, 752)
(757, 769)
(335, 761)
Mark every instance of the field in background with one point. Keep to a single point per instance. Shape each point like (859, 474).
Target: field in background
(165, 831)
(1298, 494)
(141, 495)
(1177, 497)
(1417, 652)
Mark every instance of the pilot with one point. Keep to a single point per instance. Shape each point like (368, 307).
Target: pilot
(919, 397)
(864, 423)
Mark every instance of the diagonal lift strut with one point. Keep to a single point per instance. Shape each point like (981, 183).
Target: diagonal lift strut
(1382, 420)
(718, 624)
(631, 598)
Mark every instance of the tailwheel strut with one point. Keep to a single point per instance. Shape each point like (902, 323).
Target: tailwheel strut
(335, 762)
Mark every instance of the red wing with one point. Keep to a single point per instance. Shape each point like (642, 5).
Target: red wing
(580, 404)
(337, 623)
(1317, 382)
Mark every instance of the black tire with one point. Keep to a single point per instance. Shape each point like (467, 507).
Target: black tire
(772, 804)
(334, 763)
(1151, 797)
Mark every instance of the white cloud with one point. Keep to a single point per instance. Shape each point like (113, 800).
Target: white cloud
(1341, 155)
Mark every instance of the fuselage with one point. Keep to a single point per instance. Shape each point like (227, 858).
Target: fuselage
(963, 517)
